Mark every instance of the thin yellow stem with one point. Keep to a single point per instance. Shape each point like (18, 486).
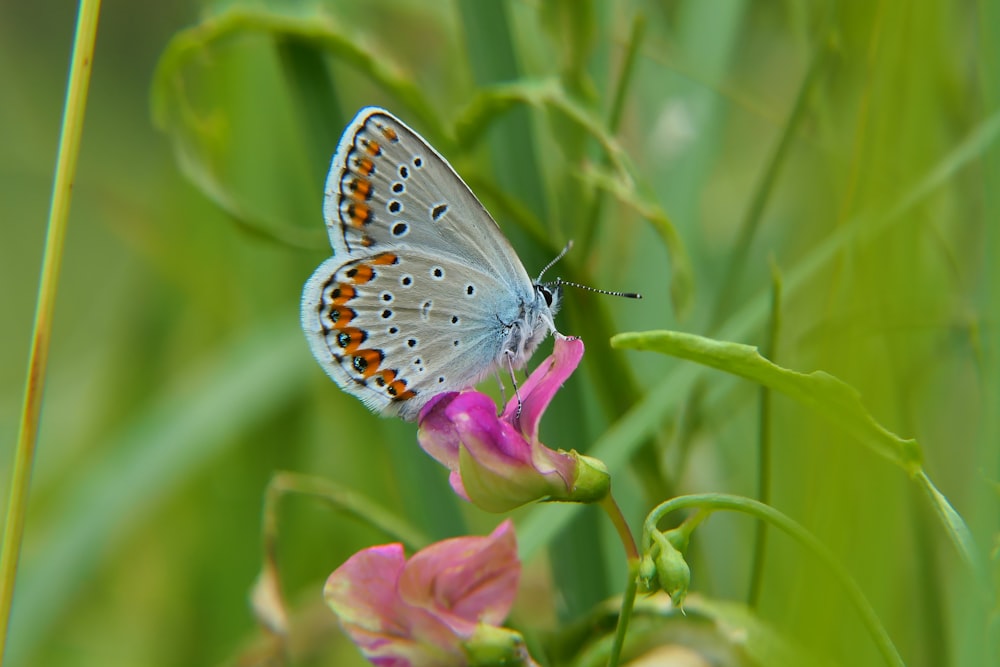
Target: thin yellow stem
(62, 188)
(614, 513)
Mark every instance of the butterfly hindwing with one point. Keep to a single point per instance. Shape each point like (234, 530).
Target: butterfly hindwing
(395, 329)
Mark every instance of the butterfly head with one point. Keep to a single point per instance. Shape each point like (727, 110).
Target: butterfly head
(550, 294)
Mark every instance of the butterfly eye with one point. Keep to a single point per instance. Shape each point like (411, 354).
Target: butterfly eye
(546, 294)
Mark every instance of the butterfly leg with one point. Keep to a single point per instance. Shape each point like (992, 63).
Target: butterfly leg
(513, 380)
(503, 389)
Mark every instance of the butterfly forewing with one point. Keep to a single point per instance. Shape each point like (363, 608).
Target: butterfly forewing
(387, 188)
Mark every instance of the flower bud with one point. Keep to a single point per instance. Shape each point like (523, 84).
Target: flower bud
(672, 570)
(491, 646)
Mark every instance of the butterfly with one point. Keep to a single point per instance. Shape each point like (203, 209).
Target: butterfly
(424, 294)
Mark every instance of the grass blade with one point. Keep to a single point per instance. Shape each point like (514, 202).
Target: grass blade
(62, 190)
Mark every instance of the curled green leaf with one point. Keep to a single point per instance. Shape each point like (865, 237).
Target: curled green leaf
(827, 395)
(201, 131)
(681, 273)
(619, 180)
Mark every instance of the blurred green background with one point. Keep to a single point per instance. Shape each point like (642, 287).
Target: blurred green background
(849, 147)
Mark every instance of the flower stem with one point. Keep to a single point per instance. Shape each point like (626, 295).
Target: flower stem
(62, 187)
(625, 615)
(614, 513)
(711, 502)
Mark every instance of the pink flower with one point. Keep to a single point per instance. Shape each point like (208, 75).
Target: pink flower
(441, 608)
(498, 463)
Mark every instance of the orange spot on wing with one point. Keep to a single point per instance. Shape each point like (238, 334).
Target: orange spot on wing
(360, 274)
(405, 396)
(341, 316)
(372, 359)
(365, 166)
(390, 134)
(359, 214)
(350, 338)
(385, 258)
(372, 147)
(397, 389)
(361, 189)
(342, 294)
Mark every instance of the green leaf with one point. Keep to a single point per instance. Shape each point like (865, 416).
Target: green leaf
(824, 393)
(830, 397)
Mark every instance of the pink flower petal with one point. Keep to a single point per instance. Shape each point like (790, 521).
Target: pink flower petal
(405, 652)
(498, 463)
(466, 580)
(538, 390)
(492, 441)
(362, 591)
(436, 434)
(455, 479)
(435, 610)
(364, 594)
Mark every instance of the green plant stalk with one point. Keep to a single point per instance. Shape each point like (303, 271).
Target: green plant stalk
(711, 502)
(62, 190)
(764, 438)
(268, 600)
(343, 500)
(315, 98)
(614, 119)
(493, 59)
(614, 513)
(960, 536)
(628, 604)
(755, 212)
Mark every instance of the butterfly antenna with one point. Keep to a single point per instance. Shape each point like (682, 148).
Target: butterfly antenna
(559, 281)
(628, 295)
(562, 253)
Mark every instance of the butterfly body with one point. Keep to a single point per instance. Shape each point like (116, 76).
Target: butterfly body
(423, 294)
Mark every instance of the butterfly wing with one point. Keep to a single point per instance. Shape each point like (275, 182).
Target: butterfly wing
(388, 188)
(395, 329)
(424, 294)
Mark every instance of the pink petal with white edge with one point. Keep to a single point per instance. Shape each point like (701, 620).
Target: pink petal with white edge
(362, 591)
(466, 580)
(364, 594)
